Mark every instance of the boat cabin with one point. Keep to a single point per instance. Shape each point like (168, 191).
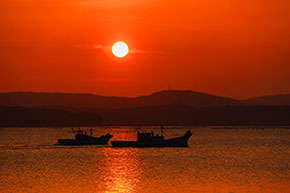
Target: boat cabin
(148, 137)
(81, 135)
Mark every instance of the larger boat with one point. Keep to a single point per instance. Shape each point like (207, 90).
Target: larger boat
(82, 138)
(151, 140)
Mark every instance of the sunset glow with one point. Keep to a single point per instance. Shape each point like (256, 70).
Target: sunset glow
(235, 48)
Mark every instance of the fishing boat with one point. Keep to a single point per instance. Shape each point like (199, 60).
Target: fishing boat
(82, 138)
(151, 140)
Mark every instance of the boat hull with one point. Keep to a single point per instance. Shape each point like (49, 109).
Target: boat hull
(138, 144)
(81, 142)
(103, 140)
(174, 142)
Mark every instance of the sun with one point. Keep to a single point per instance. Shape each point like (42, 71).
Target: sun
(120, 49)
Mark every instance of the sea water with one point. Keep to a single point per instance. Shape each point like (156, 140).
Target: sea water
(218, 159)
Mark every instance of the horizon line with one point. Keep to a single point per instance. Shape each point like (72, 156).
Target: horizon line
(181, 90)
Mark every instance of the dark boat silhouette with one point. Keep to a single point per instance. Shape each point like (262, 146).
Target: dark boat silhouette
(81, 138)
(151, 140)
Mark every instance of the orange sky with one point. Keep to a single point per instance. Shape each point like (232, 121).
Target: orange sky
(235, 48)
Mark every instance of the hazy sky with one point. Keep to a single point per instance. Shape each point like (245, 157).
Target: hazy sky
(236, 48)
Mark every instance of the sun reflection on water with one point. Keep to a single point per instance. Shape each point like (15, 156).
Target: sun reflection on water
(122, 171)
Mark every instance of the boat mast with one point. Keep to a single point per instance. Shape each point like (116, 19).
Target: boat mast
(91, 132)
(73, 131)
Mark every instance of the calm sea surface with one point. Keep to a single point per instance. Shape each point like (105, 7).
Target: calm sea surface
(217, 160)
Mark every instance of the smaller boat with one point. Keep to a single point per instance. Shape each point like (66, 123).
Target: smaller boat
(81, 138)
(151, 140)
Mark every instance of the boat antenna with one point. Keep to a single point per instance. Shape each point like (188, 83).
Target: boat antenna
(138, 129)
(73, 131)
(161, 130)
(91, 132)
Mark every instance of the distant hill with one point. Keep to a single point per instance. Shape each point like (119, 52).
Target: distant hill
(190, 98)
(34, 99)
(186, 115)
(172, 97)
(35, 117)
(274, 100)
(155, 115)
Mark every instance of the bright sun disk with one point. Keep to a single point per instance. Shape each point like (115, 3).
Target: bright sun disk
(120, 49)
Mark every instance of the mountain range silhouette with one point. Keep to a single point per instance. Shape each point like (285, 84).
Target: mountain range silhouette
(173, 107)
(176, 97)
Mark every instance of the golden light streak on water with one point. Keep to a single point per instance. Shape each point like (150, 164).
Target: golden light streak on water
(122, 168)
